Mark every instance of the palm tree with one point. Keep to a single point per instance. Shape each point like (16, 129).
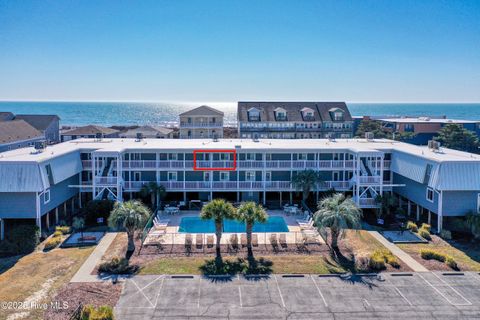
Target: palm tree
(387, 202)
(337, 213)
(251, 212)
(218, 210)
(155, 191)
(131, 215)
(305, 181)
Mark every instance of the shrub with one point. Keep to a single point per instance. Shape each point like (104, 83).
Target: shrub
(52, 243)
(446, 234)
(428, 254)
(89, 312)
(381, 256)
(424, 233)
(22, 239)
(57, 234)
(412, 226)
(425, 226)
(449, 261)
(97, 209)
(63, 229)
(377, 260)
(118, 266)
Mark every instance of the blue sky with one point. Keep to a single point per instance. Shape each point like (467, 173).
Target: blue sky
(371, 51)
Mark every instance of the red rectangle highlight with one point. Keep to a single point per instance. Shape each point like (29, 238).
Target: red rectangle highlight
(197, 168)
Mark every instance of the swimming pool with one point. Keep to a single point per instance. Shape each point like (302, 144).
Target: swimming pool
(197, 225)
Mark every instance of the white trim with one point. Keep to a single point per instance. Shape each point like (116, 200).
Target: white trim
(46, 196)
(433, 195)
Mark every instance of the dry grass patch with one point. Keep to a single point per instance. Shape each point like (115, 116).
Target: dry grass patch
(466, 256)
(39, 275)
(314, 264)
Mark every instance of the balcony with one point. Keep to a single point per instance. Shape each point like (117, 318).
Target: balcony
(234, 185)
(375, 164)
(201, 125)
(369, 179)
(106, 181)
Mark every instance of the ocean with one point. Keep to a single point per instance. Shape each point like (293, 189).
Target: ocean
(132, 113)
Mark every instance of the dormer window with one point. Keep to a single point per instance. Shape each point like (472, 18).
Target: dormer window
(337, 114)
(253, 114)
(280, 114)
(308, 114)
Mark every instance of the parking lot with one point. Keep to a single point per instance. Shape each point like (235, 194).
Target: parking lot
(393, 296)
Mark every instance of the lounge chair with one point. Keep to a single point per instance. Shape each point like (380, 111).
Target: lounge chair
(254, 240)
(273, 239)
(210, 241)
(243, 240)
(199, 241)
(188, 242)
(304, 219)
(282, 239)
(234, 241)
(306, 225)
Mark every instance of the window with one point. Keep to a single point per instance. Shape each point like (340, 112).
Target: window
(250, 176)
(250, 156)
(46, 196)
(268, 157)
(224, 176)
(172, 176)
(224, 156)
(302, 156)
(137, 176)
(338, 116)
(268, 176)
(172, 156)
(430, 194)
(409, 127)
(206, 176)
(478, 203)
(135, 156)
(253, 114)
(428, 172)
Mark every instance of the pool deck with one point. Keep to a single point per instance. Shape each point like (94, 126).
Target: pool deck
(171, 234)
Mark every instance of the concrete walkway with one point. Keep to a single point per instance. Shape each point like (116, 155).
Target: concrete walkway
(402, 255)
(84, 273)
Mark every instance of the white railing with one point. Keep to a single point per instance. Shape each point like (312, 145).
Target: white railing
(242, 164)
(377, 163)
(106, 180)
(201, 125)
(367, 202)
(369, 179)
(234, 185)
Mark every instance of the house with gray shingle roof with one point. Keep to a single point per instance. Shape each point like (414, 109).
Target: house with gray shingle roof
(148, 132)
(90, 131)
(18, 134)
(48, 124)
(294, 120)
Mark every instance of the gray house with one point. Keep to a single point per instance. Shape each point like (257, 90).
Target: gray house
(294, 120)
(149, 132)
(201, 122)
(17, 134)
(90, 131)
(49, 125)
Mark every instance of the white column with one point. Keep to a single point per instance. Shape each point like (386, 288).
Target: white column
(38, 213)
(2, 229)
(409, 208)
(56, 215)
(47, 220)
(418, 212)
(429, 217)
(440, 212)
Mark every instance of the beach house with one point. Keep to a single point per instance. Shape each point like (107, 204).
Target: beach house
(200, 123)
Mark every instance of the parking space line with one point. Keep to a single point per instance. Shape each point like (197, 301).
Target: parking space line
(152, 282)
(440, 293)
(319, 291)
(366, 301)
(199, 287)
(159, 290)
(141, 291)
(279, 291)
(454, 290)
(403, 296)
(240, 296)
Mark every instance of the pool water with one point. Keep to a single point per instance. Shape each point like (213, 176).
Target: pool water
(197, 225)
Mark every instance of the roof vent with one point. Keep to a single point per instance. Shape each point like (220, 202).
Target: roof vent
(139, 136)
(433, 145)
(40, 146)
(255, 138)
(369, 136)
(98, 136)
(331, 137)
